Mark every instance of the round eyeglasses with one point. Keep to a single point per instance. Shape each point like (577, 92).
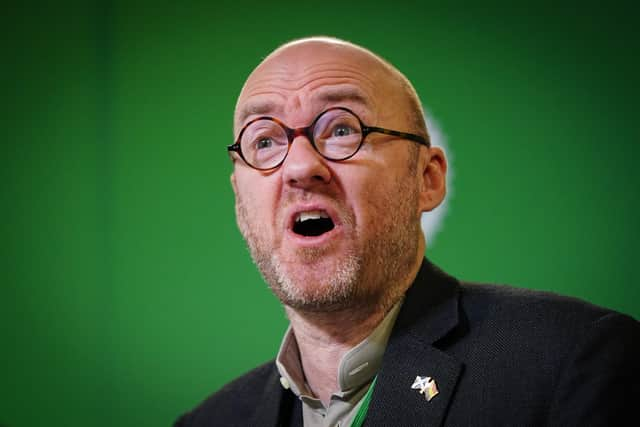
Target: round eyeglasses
(336, 134)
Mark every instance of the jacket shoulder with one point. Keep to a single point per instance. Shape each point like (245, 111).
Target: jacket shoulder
(543, 357)
(545, 334)
(529, 305)
(234, 403)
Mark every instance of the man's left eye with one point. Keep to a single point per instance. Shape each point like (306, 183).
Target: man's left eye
(342, 130)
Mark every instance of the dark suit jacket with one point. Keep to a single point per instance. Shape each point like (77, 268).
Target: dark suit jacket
(500, 356)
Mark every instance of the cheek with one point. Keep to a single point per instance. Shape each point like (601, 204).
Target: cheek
(365, 198)
(378, 200)
(257, 197)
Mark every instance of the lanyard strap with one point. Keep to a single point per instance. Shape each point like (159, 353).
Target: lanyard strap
(362, 411)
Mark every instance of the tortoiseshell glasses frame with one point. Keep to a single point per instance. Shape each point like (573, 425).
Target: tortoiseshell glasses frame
(347, 148)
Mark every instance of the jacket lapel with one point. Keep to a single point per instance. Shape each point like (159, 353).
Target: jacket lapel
(273, 403)
(430, 312)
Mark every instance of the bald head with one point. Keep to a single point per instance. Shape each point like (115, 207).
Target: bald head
(358, 75)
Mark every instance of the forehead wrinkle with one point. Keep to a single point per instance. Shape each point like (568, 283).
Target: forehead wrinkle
(258, 107)
(289, 76)
(340, 68)
(289, 83)
(287, 79)
(342, 93)
(321, 91)
(258, 85)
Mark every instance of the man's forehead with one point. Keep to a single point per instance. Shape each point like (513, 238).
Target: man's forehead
(315, 74)
(262, 105)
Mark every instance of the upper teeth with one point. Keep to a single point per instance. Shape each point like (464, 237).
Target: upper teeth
(304, 216)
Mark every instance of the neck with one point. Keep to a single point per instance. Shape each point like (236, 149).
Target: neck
(323, 339)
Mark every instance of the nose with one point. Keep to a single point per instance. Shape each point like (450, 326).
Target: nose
(304, 167)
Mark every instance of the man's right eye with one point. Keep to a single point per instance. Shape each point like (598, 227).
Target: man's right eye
(263, 143)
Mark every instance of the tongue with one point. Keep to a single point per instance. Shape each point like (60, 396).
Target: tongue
(313, 227)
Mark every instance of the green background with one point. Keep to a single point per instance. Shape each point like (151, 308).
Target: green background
(127, 294)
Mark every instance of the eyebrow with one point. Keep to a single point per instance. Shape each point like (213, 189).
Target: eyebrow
(329, 96)
(258, 108)
(351, 94)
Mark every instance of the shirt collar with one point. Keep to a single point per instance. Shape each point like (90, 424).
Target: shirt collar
(357, 367)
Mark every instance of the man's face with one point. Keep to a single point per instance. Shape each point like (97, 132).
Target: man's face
(329, 235)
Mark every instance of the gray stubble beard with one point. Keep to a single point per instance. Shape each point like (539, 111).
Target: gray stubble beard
(363, 277)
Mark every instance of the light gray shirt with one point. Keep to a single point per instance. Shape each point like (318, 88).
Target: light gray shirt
(356, 371)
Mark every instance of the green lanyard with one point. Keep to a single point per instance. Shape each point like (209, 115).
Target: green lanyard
(362, 411)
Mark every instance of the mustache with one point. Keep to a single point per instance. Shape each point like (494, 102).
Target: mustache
(296, 195)
(293, 196)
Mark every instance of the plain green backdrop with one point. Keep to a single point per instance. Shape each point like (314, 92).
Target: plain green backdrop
(127, 294)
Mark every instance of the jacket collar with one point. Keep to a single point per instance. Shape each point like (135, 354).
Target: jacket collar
(274, 404)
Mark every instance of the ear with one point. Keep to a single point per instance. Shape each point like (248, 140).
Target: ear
(434, 178)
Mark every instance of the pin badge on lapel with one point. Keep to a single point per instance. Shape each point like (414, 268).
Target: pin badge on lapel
(427, 386)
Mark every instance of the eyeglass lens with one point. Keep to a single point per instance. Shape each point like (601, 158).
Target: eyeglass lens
(337, 134)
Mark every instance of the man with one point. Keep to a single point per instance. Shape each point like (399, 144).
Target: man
(332, 171)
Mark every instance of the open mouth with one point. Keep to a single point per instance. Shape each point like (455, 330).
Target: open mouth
(312, 223)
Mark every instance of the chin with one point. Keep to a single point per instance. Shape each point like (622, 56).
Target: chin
(319, 285)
